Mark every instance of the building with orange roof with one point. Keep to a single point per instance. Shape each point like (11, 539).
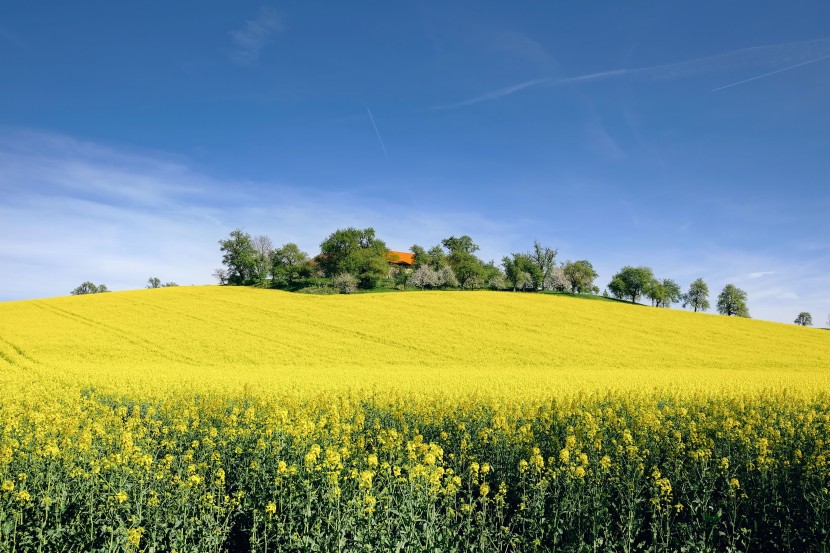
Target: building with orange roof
(401, 259)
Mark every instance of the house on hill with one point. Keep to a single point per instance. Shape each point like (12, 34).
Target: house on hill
(401, 259)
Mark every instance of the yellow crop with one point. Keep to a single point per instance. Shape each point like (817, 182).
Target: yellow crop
(220, 418)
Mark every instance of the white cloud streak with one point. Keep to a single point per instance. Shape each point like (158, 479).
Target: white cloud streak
(791, 54)
(250, 40)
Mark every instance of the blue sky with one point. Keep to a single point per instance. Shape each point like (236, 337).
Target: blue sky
(689, 137)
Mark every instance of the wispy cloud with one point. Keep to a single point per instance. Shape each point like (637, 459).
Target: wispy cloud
(492, 95)
(788, 68)
(790, 54)
(253, 36)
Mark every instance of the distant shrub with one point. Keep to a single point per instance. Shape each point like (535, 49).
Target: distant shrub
(344, 283)
(318, 290)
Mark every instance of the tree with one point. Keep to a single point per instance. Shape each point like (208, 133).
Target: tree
(357, 252)
(544, 258)
(154, 282)
(698, 296)
(515, 265)
(401, 276)
(556, 280)
(240, 258)
(436, 258)
(446, 277)
(419, 255)
(289, 264)
(263, 261)
(732, 302)
(804, 319)
(221, 275)
(89, 288)
(579, 275)
(344, 283)
(464, 244)
(424, 277)
(631, 282)
(663, 292)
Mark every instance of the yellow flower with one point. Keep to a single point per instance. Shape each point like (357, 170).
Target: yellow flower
(134, 537)
(271, 508)
(8, 486)
(121, 496)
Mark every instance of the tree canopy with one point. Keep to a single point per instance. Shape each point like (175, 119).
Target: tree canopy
(357, 252)
(732, 302)
(631, 282)
(240, 258)
(89, 288)
(579, 275)
(697, 297)
(804, 319)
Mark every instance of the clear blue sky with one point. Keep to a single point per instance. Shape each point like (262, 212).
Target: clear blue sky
(690, 137)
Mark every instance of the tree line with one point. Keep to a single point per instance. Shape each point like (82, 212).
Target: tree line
(354, 259)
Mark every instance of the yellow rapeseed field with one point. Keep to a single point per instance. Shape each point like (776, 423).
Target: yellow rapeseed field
(499, 344)
(239, 419)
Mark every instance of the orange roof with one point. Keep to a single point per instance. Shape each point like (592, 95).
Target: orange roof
(401, 258)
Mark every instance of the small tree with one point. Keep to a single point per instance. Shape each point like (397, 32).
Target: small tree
(544, 258)
(697, 297)
(153, 282)
(424, 277)
(732, 302)
(631, 282)
(518, 263)
(401, 276)
(556, 280)
(579, 275)
(446, 277)
(240, 258)
(344, 283)
(89, 288)
(804, 319)
(289, 264)
(263, 257)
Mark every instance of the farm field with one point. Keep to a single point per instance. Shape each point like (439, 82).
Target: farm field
(224, 418)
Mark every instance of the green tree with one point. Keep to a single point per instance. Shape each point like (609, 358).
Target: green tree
(521, 272)
(289, 264)
(579, 275)
(263, 259)
(663, 292)
(240, 258)
(698, 296)
(804, 319)
(467, 268)
(419, 255)
(401, 276)
(544, 258)
(153, 282)
(89, 288)
(631, 282)
(732, 302)
(357, 252)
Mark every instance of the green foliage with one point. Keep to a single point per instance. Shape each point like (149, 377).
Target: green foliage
(89, 288)
(631, 282)
(522, 272)
(732, 302)
(698, 296)
(289, 265)
(240, 258)
(580, 275)
(544, 258)
(357, 252)
(804, 319)
(664, 292)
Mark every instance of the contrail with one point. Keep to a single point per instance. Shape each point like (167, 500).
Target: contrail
(378, 133)
(772, 73)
